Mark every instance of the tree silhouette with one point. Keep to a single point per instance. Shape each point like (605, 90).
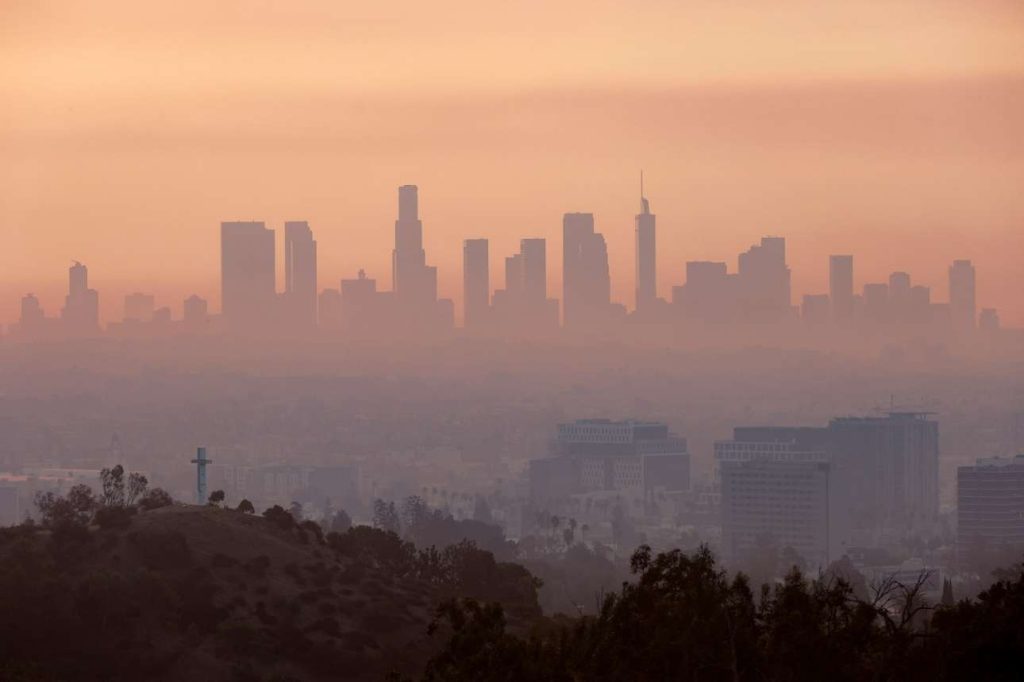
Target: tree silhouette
(112, 482)
(137, 485)
(155, 498)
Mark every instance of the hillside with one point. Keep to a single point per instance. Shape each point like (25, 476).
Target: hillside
(188, 592)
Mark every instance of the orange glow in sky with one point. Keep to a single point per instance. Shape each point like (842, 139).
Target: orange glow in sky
(893, 131)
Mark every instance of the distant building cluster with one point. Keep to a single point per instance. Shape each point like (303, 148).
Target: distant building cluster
(860, 481)
(759, 292)
(850, 488)
(599, 461)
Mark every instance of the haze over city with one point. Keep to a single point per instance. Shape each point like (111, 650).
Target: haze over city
(130, 133)
(532, 341)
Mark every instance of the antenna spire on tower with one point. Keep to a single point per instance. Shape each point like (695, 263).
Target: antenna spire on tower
(645, 208)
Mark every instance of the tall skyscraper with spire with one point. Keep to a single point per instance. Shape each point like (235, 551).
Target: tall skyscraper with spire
(646, 255)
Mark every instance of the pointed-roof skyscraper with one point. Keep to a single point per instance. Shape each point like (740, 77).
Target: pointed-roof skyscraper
(646, 254)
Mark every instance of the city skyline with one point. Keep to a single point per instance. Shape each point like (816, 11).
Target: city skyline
(426, 341)
(760, 289)
(861, 130)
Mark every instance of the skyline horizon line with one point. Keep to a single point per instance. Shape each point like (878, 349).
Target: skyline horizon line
(554, 284)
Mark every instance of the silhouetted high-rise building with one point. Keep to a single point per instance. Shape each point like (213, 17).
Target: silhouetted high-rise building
(476, 281)
(962, 306)
(81, 313)
(31, 310)
(586, 284)
(329, 309)
(646, 256)
(764, 280)
(299, 274)
(840, 286)
(523, 307)
(32, 319)
(195, 313)
(138, 307)
(815, 308)
(414, 299)
(899, 297)
(514, 275)
(988, 320)
(710, 292)
(363, 308)
(247, 276)
(920, 303)
(412, 279)
(535, 270)
(876, 301)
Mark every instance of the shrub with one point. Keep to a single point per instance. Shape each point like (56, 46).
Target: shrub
(109, 518)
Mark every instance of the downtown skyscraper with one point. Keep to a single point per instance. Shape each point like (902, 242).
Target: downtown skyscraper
(764, 280)
(476, 281)
(586, 283)
(248, 279)
(300, 292)
(646, 256)
(413, 281)
(414, 294)
(840, 286)
(962, 303)
(81, 313)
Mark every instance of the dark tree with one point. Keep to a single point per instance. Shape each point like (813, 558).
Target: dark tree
(81, 498)
(57, 511)
(112, 481)
(245, 506)
(216, 497)
(385, 516)
(137, 486)
(114, 517)
(340, 522)
(279, 517)
(155, 498)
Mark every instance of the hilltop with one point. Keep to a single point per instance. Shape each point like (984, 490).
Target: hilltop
(190, 592)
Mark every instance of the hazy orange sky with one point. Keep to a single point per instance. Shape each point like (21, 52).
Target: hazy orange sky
(894, 131)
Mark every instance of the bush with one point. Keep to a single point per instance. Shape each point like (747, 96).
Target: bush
(155, 498)
(109, 518)
(279, 517)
